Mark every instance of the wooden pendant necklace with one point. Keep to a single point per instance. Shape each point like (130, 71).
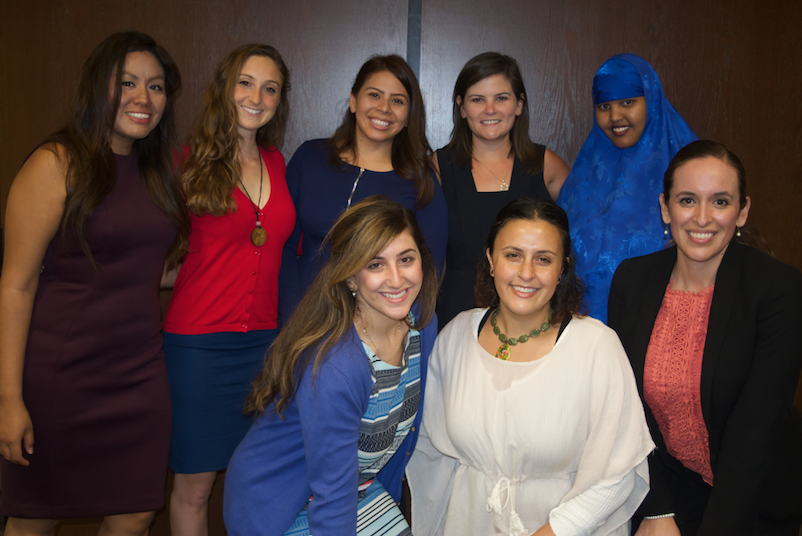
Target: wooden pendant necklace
(503, 351)
(258, 235)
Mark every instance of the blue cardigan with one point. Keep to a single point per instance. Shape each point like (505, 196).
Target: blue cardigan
(312, 451)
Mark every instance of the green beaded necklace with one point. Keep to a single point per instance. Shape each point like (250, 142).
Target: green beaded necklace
(503, 351)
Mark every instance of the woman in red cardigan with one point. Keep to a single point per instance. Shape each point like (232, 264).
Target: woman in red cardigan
(224, 311)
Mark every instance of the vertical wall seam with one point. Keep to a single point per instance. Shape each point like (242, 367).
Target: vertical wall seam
(414, 35)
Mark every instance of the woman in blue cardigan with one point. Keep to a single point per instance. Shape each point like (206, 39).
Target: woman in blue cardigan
(339, 400)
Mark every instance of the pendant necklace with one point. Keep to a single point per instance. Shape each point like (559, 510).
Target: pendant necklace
(503, 351)
(258, 235)
(503, 186)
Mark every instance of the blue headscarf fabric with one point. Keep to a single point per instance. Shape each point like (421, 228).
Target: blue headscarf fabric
(611, 194)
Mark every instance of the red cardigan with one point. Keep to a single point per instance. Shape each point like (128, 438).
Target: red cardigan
(226, 283)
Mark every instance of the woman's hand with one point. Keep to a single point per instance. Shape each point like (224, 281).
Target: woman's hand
(665, 526)
(15, 427)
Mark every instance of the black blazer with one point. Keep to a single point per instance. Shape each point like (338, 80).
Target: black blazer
(751, 365)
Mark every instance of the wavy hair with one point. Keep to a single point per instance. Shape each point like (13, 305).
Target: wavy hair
(91, 166)
(485, 65)
(567, 298)
(412, 155)
(711, 149)
(212, 168)
(324, 317)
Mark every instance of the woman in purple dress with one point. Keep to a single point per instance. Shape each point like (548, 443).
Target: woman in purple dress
(91, 217)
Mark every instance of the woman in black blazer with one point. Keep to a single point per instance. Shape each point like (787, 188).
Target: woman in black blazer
(718, 401)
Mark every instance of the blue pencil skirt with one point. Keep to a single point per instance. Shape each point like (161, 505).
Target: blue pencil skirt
(210, 377)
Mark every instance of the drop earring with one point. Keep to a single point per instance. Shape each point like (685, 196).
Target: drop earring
(738, 232)
(665, 231)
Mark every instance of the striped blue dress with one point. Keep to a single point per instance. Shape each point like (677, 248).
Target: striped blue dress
(394, 401)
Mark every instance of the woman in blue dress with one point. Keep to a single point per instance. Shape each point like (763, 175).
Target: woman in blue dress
(635, 134)
(380, 148)
(338, 403)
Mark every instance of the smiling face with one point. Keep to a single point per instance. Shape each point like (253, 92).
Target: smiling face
(490, 108)
(257, 94)
(142, 100)
(703, 211)
(388, 286)
(527, 260)
(622, 121)
(381, 108)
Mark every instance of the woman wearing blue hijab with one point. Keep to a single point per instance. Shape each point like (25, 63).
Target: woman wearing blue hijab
(611, 194)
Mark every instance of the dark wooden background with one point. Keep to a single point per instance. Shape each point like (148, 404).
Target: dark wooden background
(732, 68)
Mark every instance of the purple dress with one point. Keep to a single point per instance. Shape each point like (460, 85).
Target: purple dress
(94, 380)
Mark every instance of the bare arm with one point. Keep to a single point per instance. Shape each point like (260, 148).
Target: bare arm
(545, 530)
(35, 206)
(665, 526)
(169, 277)
(555, 171)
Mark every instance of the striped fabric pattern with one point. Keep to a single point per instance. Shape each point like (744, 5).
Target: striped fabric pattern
(394, 401)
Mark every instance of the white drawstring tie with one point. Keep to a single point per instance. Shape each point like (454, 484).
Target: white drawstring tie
(494, 505)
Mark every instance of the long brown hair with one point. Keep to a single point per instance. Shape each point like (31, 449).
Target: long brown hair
(461, 143)
(212, 169)
(567, 298)
(412, 155)
(324, 318)
(92, 168)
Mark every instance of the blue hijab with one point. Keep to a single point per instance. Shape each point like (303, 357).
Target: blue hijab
(611, 194)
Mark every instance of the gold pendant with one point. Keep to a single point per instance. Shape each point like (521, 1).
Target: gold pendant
(258, 236)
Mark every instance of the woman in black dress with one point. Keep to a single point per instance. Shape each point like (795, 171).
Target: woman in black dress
(488, 162)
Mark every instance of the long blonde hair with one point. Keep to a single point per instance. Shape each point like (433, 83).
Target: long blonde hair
(324, 316)
(212, 169)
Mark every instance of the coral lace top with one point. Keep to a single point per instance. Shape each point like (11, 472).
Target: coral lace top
(672, 376)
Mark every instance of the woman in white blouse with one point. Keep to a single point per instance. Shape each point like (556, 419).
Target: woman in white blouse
(532, 421)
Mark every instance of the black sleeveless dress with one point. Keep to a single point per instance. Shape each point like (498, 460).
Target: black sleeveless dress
(94, 379)
(470, 216)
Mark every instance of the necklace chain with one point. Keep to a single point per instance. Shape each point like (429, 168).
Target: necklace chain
(503, 186)
(373, 345)
(503, 351)
(258, 235)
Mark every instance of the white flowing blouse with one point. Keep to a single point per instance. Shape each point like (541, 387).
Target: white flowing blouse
(506, 447)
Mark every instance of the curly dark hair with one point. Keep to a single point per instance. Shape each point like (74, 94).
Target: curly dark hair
(567, 299)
